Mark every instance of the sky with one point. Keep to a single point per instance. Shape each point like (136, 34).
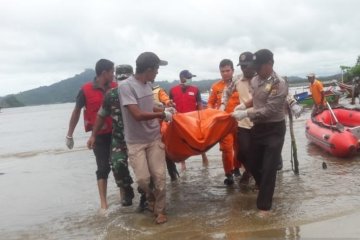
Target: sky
(45, 41)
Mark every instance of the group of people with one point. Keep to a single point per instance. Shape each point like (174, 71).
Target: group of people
(124, 118)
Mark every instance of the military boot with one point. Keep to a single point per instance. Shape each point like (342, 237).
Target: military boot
(127, 195)
(142, 204)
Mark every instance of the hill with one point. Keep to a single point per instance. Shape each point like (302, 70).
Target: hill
(60, 92)
(66, 90)
(10, 101)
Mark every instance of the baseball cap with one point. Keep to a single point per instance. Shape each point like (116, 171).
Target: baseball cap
(149, 60)
(123, 71)
(245, 58)
(186, 74)
(263, 56)
(311, 75)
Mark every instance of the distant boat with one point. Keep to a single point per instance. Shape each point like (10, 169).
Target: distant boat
(348, 88)
(204, 98)
(345, 86)
(306, 99)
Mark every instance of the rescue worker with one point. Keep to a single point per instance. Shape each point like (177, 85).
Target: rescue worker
(187, 98)
(227, 144)
(269, 92)
(240, 84)
(90, 97)
(119, 157)
(317, 93)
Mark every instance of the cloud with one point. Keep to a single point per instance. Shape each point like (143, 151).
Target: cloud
(46, 41)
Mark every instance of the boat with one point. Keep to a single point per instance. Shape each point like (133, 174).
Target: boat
(348, 88)
(345, 86)
(306, 99)
(204, 99)
(338, 134)
(192, 133)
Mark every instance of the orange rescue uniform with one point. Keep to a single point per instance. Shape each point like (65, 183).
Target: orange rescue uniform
(227, 144)
(160, 96)
(316, 90)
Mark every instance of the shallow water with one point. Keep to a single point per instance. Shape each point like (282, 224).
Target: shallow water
(49, 192)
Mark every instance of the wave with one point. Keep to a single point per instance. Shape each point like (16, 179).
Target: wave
(28, 154)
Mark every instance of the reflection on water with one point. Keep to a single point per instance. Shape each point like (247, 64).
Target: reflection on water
(49, 192)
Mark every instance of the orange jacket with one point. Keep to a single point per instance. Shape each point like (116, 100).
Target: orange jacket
(216, 94)
(160, 96)
(163, 97)
(317, 91)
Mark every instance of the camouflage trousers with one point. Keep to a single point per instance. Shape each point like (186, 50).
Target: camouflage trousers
(119, 164)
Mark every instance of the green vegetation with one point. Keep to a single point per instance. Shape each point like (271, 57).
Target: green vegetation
(60, 92)
(350, 72)
(10, 101)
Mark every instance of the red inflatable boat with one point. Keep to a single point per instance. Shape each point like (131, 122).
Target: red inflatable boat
(339, 134)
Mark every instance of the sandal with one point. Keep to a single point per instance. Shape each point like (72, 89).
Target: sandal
(160, 219)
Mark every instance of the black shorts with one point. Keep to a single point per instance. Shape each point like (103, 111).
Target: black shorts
(102, 155)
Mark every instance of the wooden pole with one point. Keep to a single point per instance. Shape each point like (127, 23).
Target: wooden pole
(294, 159)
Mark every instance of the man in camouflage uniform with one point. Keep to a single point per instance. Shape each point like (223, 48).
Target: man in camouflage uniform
(119, 156)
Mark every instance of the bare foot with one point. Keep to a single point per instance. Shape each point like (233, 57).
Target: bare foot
(183, 166)
(104, 205)
(103, 212)
(160, 219)
(205, 160)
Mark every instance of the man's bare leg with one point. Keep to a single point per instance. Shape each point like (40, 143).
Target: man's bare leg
(183, 166)
(102, 186)
(205, 160)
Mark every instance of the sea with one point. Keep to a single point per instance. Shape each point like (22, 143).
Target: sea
(49, 192)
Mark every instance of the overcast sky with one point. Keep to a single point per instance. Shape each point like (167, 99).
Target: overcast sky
(45, 41)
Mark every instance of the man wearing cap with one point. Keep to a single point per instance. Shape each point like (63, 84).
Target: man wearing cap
(90, 98)
(241, 84)
(227, 145)
(317, 93)
(118, 156)
(269, 91)
(187, 98)
(142, 132)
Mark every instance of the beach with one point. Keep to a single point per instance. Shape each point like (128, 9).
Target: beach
(49, 192)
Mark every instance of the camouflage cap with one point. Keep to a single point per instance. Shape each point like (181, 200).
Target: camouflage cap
(123, 71)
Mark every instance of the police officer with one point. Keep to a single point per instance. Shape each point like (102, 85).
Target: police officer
(269, 91)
